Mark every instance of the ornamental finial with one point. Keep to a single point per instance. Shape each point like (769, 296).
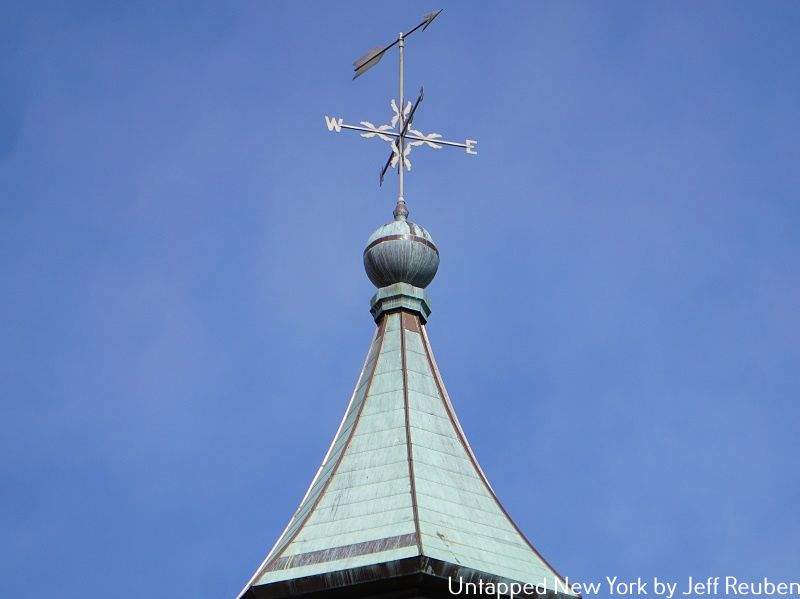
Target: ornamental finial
(400, 211)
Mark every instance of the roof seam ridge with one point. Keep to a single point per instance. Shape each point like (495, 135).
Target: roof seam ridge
(385, 392)
(374, 449)
(382, 430)
(520, 543)
(358, 530)
(407, 407)
(380, 482)
(397, 510)
(370, 467)
(445, 435)
(444, 484)
(376, 413)
(430, 509)
(369, 499)
(422, 392)
(434, 497)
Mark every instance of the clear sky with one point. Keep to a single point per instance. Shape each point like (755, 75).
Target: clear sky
(184, 308)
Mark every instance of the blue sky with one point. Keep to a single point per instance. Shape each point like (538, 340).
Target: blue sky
(185, 309)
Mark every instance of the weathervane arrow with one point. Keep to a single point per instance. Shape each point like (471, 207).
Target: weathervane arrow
(373, 57)
(398, 133)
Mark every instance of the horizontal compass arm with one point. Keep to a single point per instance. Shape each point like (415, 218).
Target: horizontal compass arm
(335, 124)
(368, 130)
(469, 146)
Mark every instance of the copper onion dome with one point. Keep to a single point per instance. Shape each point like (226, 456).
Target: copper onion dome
(401, 252)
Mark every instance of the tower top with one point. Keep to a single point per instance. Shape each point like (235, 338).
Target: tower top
(400, 505)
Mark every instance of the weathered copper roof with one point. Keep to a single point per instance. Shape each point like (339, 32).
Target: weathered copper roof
(400, 481)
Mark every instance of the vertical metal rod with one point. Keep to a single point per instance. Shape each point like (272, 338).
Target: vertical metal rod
(402, 45)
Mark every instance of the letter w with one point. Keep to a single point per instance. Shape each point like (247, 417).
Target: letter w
(334, 123)
(592, 588)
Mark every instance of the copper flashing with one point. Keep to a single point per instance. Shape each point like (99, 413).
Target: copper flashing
(419, 577)
(344, 551)
(410, 322)
(402, 237)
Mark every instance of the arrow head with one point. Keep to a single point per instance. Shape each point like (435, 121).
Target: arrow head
(430, 17)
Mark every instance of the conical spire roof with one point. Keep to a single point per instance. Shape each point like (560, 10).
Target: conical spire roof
(399, 491)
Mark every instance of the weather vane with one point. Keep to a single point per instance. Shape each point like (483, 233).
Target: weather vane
(398, 133)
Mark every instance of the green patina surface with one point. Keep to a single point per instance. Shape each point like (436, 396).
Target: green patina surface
(400, 296)
(400, 480)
